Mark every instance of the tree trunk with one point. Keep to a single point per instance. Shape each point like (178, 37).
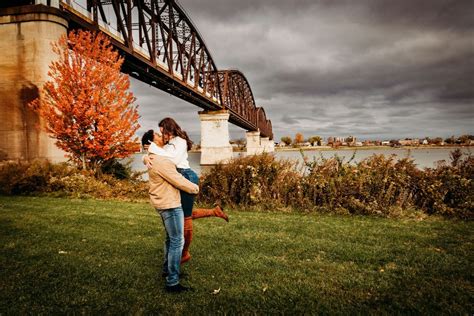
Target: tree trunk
(83, 158)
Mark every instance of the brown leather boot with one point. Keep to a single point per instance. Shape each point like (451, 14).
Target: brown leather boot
(206, 212)
(188, 237)
(219, 212)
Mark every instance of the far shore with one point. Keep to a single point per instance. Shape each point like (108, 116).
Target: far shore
(328, 148)
(352, 148)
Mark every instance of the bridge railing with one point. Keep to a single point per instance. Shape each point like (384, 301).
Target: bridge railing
(78, 9)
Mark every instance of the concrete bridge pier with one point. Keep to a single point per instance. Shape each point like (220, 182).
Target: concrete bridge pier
(254, 146)
(25, 56)
(257, 145)
(215, 145)
(267, 144)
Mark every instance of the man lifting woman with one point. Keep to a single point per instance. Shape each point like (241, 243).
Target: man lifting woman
(172, 143)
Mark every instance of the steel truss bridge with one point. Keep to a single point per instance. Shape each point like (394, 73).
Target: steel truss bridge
(163, 48)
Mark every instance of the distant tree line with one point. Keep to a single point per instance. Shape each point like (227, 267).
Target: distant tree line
(299, 139)
(317, 140)
(462, 140)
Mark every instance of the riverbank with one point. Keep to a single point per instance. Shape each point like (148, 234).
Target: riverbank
(92, 257)
(350, 148)
(353, 148)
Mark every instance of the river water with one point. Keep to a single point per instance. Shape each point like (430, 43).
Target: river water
(423, 157)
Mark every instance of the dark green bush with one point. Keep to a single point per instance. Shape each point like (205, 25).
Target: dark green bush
(20, 178)
(24, 177)
(118, 170)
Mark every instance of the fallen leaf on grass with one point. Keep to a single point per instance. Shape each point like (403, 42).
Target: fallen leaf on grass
(265, 288)
(391, 266)
(216, 291)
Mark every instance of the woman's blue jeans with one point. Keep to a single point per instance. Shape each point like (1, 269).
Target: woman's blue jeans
(187, 200)
(173, 220)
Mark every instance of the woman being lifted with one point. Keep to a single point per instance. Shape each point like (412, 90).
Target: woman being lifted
(176, 149)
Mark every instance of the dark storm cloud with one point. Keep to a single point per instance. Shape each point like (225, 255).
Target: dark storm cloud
(376, 68)
(421, 13)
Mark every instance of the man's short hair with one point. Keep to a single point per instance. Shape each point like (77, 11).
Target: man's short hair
(147, 138)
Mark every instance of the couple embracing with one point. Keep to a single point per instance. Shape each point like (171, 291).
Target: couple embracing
(173, 188)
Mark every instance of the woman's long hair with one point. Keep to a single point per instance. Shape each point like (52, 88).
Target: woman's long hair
(172, 128)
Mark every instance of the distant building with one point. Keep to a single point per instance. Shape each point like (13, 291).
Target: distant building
(405, 142)
(337, 141)
(409, 142)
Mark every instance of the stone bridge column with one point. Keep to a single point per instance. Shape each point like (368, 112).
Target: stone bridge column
(215, 145)
(254, 145)
(25, 56)
(257, 145)
(267, 144)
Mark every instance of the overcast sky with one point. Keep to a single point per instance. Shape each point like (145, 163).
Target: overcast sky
(375, 69)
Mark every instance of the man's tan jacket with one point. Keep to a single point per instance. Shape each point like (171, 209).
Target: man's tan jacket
(165, 183)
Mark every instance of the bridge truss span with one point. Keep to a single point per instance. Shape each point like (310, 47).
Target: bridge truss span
(238, 98)
(163, 48)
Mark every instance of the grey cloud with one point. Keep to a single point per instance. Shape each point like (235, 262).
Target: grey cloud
(380, 68)
(404, 112)
(421, 13)
(288, 119)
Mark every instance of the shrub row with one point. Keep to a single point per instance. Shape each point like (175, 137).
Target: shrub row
(42, 177)
(377, 185)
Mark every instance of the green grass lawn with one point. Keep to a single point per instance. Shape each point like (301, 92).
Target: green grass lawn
(86, 256)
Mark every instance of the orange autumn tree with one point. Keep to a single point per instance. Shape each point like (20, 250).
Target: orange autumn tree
(299, 138)
(86, 103)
